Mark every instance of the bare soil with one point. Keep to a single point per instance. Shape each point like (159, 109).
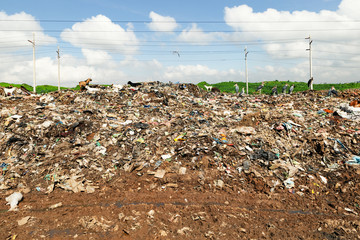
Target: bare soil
(137, 207)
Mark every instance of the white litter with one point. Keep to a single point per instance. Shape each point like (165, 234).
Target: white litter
(13, 200)
(323, 179)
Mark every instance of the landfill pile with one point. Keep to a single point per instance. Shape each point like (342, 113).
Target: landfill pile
(167, 143)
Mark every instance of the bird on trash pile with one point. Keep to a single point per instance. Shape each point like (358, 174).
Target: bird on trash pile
(134, 84)
(242, 92)
(311, 80)
(258, 89)
(215, 90)
(9, 91)
(208, 88)
(236, 88)
(284, 88)
(332, 92)
(274, 91)
(291, 89)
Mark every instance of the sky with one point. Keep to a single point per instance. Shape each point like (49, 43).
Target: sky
(114, 42)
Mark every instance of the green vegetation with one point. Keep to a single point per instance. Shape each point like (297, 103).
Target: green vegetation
(42, 88)
(3, 84)
(223, 86)
(299, 86)
(39, 89)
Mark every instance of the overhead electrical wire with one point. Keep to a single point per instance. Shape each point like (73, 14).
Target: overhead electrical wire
(177, 21)
(175, 43)
(180, 31)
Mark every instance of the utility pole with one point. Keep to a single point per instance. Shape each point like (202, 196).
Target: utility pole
(34, 70)
(58, 57)
(246, 72)
(310, 61)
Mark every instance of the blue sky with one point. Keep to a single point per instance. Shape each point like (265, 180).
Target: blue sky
(139, 10)
(179, 41)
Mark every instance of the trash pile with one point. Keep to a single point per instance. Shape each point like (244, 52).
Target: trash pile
(304, 143)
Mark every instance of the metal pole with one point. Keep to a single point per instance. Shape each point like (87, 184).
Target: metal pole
(246, 72)
(34, 70)
(58, 56)
(310, 60)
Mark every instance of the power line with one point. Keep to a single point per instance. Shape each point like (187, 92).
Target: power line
(338, 43)
(180, 31)
(177, 21)
(179, 43)
(345, 53)
(96, 42)
(219, 60)
(163, 51)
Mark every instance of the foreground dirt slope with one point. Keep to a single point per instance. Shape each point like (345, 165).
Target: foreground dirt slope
(118, 214)
(170, 161)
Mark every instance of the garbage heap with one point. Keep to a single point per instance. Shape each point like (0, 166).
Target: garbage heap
(305, 143)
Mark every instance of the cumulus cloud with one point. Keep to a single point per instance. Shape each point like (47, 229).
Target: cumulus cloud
(283, 33)
(270, 73)
(15, 69)
(198, 73)
(96, 57)
(15, 33)
(141, 71)
(195, 35)
(349, 8)
(100, 33)
(274, 24)
(162, 23)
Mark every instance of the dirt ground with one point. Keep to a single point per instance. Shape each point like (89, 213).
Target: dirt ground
(133, 207)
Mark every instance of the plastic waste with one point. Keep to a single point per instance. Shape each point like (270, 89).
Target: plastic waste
(289, 183)
(354, 161)
(13, 200)
(246, 165)
(180, 137)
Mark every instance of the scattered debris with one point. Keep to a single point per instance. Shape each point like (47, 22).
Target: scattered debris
(24, 220)
(178, 138)
(56, 205)
(13, 200)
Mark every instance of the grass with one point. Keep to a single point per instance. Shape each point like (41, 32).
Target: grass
(39, 89)
(42, 88)
(299, 86)
(223, 86)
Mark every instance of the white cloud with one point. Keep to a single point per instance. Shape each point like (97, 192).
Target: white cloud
(274, 24)
(349, 8)
(282, 34)
(162, 23)
(195, 35)
(141, 71)
(15, 69)
(96, 57)
(100, 33)
(291, 50)
(15, 34)
(198, 73)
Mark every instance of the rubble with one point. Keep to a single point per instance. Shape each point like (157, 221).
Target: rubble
(73, 139)
(24, 220)
(302, 143)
